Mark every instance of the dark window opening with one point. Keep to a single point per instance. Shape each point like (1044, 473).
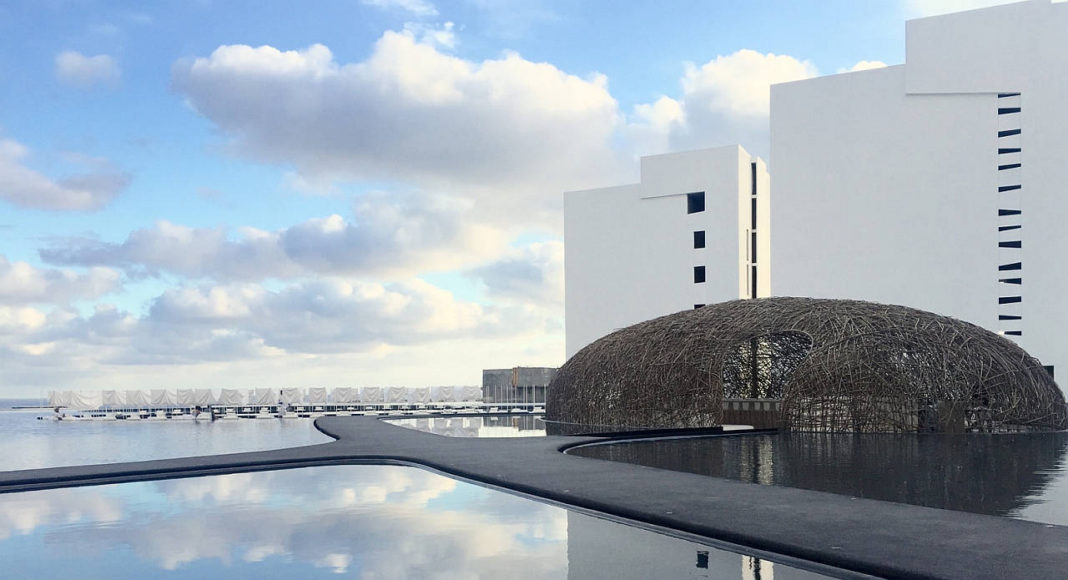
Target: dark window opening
(1049, 369)
(1010, 300)
(1007, 228)
(1012, 266)
(752, 213)
(1003, 95)
(699, 239)
(1011, 280)
(695, 202)
(1004, 212)
(1008, 133)
(1012, 244)
(698, 274)
(753, 291)
(1014, 332)
(1004, 150)
(752, 248)
(1008, 110)
(752, 179)
(696, 306)
(1010, 317)
(1004, 188)
(702, 559)
(1009, 166)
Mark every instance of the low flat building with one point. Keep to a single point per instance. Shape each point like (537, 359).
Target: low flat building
(517, 384)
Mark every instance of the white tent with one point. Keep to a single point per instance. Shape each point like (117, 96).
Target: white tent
(231, 397)
(344, 395)
(419, 395)
(261, 396)
(162, 398)
(59, 398)
(317, 396)
(111, 398)
(397, 395)
(471, 393)
(136, 398)
(85, 400)
(291, 395)
(442, 394)
(203, 397)
(185, 397)
(371, 395)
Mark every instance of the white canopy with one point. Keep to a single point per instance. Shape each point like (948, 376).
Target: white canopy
(59, 398)
(471, 393)
(419, 395)
(185, 397)
(346, 395)
(442, 394)
(85, 400)
(371, 395)
(397, 395)
(162, 398)
(203, 397)
(261, 396)
(290, 395)
(317, 396)
(136, 398)
(231, 397)
(111, 398)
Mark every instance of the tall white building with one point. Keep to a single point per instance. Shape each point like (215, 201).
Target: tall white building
(695, 231)
(940, 184)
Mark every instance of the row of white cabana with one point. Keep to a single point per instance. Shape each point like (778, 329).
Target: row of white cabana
(160, 398)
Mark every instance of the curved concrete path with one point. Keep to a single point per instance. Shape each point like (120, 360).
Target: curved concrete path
(857, 535)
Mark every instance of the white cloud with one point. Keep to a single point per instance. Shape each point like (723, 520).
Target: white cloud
(532, 275)
(25, 187)
(74, 68)
(864, 65)
(508, 133)
(21, 283)
(724, 101)
(394, 235)
(414, 7)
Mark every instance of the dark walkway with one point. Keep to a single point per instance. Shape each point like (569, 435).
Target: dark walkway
(865, 536)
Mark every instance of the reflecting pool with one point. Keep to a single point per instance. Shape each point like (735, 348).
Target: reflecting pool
(1015, 475)
(366, 521)
(488, 426)
(29, 443)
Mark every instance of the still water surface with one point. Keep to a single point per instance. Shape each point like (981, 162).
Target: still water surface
(363, 521)
(29, 443)
(1021, 476)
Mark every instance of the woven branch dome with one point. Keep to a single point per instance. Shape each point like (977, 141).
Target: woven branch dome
(835, 365)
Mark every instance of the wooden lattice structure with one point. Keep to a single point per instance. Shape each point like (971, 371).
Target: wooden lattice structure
(836, 366)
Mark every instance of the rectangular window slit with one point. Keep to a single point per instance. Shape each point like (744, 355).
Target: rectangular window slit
(1004, 188)
(1011, 280)
(1008, 166)
(1012, 266)
(1008, 132)
(1005, 95)
(752, 248)
(1003, 212)
(1014, 332)
(1008, 110)
(753, 291)
(699, 239)
(1010, 300)
(1007, 150)
(1012, 244)
(1009, 317)
(696, 306)
(695, 202)
(752, 213)
(1007, 228)
(698, 274)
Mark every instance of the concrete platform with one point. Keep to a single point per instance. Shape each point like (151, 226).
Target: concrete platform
(855, 536)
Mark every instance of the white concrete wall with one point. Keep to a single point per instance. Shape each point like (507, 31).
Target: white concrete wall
(887, 180)
(628, 251)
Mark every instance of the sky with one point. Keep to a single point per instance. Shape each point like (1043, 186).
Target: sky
(197, 193)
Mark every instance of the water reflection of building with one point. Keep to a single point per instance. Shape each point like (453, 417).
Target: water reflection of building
(516, 385)
(598, 548)
(987, 474)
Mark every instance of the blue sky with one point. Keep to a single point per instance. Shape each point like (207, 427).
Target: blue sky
(335, 193)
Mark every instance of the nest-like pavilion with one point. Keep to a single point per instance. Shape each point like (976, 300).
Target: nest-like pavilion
(828, 365)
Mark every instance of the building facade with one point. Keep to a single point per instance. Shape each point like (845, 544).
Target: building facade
(938, 184)
(517, 384)
(694, 231)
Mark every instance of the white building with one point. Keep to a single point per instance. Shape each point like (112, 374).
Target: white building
(694, 231)
(940, 184)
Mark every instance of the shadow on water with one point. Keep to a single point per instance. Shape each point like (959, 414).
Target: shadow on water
(987, 474)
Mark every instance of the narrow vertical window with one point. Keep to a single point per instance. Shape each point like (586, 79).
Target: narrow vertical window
(752, 248)
(752, 213)
(753, 292)
(699, 239)
(698, 274)
(695, 202)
